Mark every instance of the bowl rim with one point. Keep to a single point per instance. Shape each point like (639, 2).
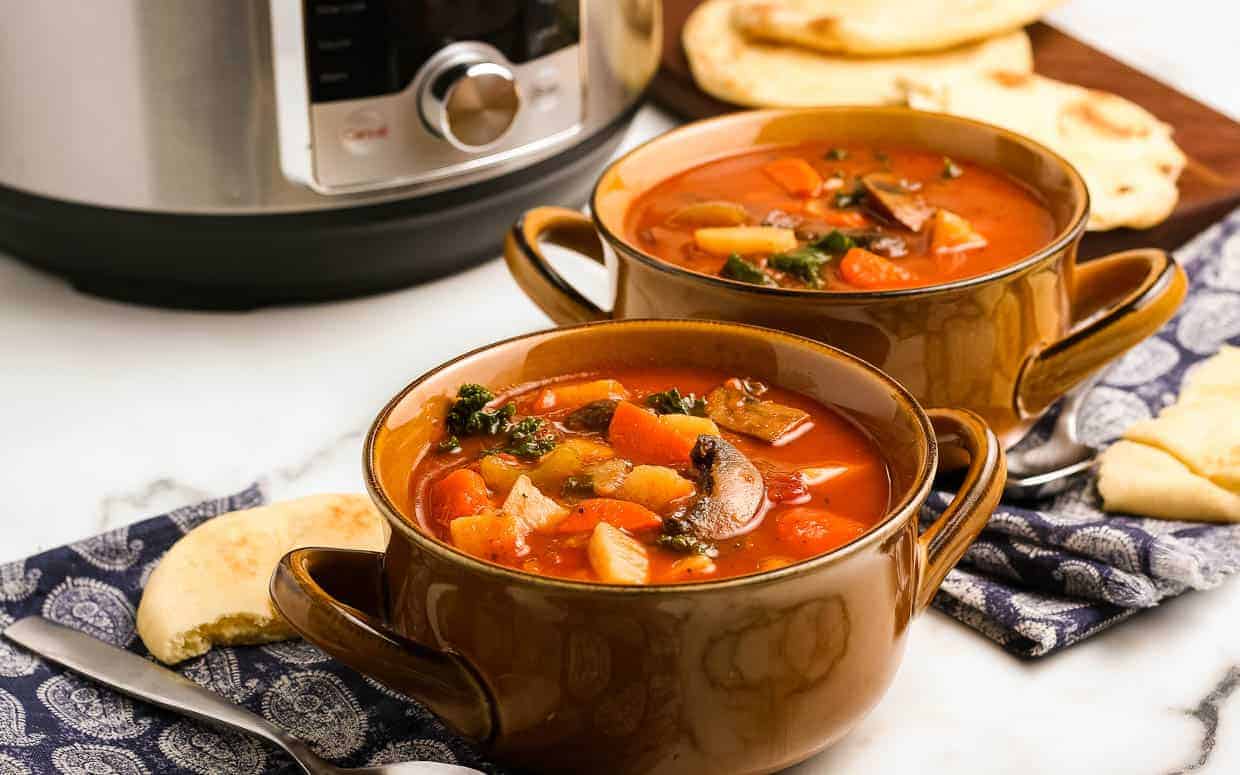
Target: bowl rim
(897, 515)
(1066, 236)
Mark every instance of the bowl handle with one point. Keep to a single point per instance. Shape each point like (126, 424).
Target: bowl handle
(354, 633)
(944, 542)
(1150, 286)
(529, 267)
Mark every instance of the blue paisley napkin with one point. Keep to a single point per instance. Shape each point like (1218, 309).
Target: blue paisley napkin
(52, 721)
(1046, 575)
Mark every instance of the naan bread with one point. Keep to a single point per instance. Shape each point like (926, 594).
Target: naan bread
(882, 27)
(211, 586)
(1126, 156)
(1185, 463)
(1218, 376)
(730, 67)
(1138, 479)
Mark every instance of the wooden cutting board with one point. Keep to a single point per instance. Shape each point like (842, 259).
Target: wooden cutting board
(1209, 185)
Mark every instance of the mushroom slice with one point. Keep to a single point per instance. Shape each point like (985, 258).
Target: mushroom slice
(735, 408)
(730, 491)
(891, 197)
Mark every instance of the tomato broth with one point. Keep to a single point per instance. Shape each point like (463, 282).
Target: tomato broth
(839, 218)
(823, 481)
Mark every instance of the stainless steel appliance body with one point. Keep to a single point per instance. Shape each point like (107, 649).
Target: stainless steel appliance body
(236, 152)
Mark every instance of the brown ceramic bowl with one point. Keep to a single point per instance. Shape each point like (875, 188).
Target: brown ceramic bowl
(1004, 345)
(741, 675)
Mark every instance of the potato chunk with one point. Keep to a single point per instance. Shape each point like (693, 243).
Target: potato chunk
(489, 536)
(745, 240)
(532, 510)
(952, 233)
(714, 213)
(500, 472)
(617, 557)
(569, 459)
(654, 487)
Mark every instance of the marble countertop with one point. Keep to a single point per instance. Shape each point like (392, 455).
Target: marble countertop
(113, 412)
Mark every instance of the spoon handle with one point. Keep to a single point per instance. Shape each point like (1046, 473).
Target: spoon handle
(130, 674)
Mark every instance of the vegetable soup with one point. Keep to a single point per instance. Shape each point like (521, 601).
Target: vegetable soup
(839, 218)
(648, 476)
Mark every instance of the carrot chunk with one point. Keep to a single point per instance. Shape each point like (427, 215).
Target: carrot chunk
(795, 176)
(813, 530)
(864, 269)
(642, 437)
(459, 494)
(617, 513)
(844, 219)
(578, 394)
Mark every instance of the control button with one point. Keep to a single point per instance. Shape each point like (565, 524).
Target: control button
(364, 132)
(469, 101)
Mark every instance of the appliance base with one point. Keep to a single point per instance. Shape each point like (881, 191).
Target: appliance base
(232, 262)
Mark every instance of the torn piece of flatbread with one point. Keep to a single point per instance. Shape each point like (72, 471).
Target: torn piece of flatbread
(870, 28)
(1218, 376)
(211, 586)
(1137, 479)
(1125, 154)
(729, 66)
(1204, 434)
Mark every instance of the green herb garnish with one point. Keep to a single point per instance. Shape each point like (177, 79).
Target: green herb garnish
(803, 263)
(951, 170)
(578, 485)
(672, 402)
(687, 543)
(530, 438)
(737, 268)
(450, 445)
(849, 198)
(836, 154)
(468, 418)
(837, 243)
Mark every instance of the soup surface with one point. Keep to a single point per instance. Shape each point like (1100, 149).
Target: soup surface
(840, 218)
(648, 476)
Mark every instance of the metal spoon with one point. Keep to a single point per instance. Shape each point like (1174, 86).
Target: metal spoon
(130, 674)
(1054, 465)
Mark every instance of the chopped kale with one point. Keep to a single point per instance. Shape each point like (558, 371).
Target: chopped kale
(530, 438)
(594, 416)
(837, 243)
(468, 418)
(951, 170)
(579, 485)
(836, 154)
(737, 268)
(687, 543)
(804, 263)
(450, 445)
(672, 402)
(852, 198)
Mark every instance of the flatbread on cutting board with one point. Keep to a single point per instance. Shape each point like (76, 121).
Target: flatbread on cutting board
(1125, 154)
(882, 27)
(1185, 463)
(732, 68)
(211, 586)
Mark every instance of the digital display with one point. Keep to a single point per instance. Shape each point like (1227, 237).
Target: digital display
(364, 48)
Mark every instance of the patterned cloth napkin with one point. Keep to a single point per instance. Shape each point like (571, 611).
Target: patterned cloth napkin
(52, 721)
(1047, 575)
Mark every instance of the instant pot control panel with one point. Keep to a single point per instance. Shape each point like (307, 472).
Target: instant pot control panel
(375, 94)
